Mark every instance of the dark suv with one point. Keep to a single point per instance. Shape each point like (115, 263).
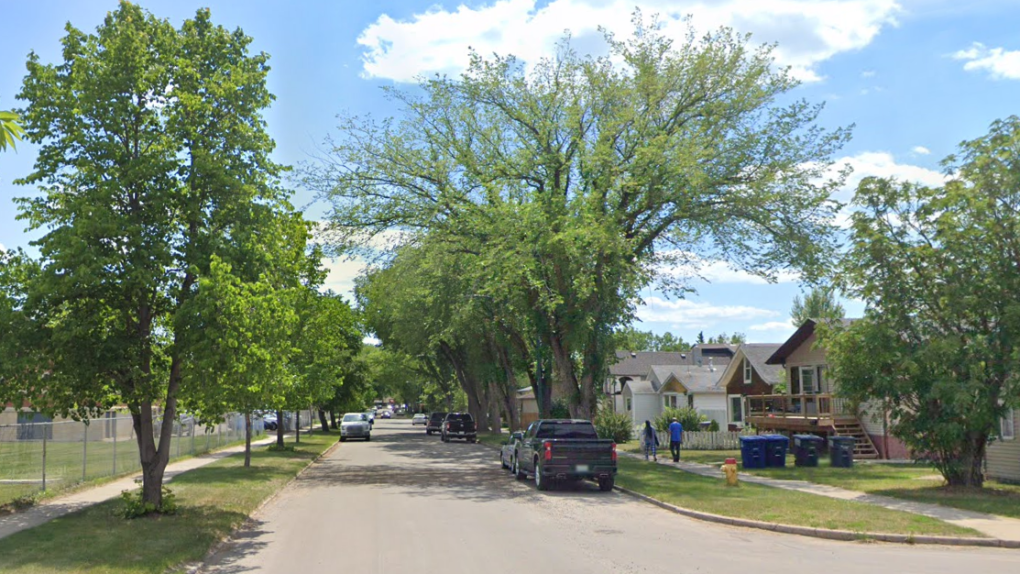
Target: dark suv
(459, 425)
(435, 423)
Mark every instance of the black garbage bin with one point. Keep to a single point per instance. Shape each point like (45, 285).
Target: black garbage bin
(776, 446)
(752, 451)
(806, 448)
(841, 451)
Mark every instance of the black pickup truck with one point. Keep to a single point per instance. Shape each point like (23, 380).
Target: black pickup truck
(459, 425)
(565, 450)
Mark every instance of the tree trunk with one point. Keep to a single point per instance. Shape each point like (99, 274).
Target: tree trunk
(968, 471)
(495, 422)
(247, 440)
(297, 427)
(153, 457)
(565, 380)
(323, 421)
(279, 429)
(332, 420)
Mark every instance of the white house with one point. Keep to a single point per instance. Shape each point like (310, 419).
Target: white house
(677, 385)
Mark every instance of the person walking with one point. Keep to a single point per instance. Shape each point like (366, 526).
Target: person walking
(676, 437)
(650, 441)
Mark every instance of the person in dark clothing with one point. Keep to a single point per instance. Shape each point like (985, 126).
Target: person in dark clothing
(650, 441)
(676, 437)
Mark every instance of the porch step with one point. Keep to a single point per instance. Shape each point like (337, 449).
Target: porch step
(863, 447)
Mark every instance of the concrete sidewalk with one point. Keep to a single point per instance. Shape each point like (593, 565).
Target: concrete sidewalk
(1000, 527)
(47, 510)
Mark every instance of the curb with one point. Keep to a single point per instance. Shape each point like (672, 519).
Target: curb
(844, 535)
(197, 568)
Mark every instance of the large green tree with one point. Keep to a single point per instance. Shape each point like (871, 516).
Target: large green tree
(154, 159)
(819, 303)
(939, 269)
(572, 180)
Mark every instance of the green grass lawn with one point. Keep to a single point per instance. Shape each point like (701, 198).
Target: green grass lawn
(22, 462)
(767, 504)
(214, 500)
(492, 439)
(917, 482)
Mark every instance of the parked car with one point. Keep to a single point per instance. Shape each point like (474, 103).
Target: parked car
(459, 425)
(419, 419)
(565, 450)
(269, 421)
(355, 425)
(387, 414)
(506, 452)
(435, 423)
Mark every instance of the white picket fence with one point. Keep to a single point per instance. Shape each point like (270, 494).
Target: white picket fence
(704, 440)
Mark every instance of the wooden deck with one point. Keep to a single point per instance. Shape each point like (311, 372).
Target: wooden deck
(818, 414)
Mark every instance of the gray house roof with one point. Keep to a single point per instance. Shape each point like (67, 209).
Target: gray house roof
(757, 354)
(703, 379)
(638, 364)
(641, 387)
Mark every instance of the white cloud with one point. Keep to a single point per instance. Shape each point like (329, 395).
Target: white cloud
(1000, 64)
(784, 326)
(685, 313)
(808, 32)
(882, 164)
(717, 271)
(341, 274)
(868, 74)
(921, 150)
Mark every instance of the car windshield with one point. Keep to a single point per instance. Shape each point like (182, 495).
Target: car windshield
(438, 416)
(353, 418)
(566, 430)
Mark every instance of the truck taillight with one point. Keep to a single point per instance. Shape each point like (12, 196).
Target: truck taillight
(548, 450)
(614, 452)
(447, 426)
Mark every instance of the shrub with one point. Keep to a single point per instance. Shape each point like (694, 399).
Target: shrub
(135, 508)
(616, 426)
(713, 426)
(559, 410)
(688, 417)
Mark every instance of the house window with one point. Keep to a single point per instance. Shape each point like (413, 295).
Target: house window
(747, 372)
(690, 401)
(736, 409)
(628, 403)
(808, 384)
(669, 401)
(1006, 426)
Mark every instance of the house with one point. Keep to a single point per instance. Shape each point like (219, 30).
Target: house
(635, 367)
(1002, 458)
(811, 403)
(676, 386)
(749, 374)
(527, 406)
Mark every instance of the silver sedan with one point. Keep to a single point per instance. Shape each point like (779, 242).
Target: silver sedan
(355, 425)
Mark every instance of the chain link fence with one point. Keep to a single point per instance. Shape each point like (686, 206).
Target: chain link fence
(37, 455)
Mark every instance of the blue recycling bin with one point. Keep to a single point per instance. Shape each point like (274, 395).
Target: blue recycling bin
(752, 451)
(776, 446)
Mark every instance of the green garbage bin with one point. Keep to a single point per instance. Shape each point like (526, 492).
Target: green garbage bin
(806, 448)
(841, 451)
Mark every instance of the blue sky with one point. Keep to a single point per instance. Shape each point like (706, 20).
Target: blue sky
(915, 76)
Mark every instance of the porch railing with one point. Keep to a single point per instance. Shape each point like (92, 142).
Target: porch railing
(817, 406)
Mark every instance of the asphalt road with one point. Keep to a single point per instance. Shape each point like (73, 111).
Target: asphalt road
(408, 503)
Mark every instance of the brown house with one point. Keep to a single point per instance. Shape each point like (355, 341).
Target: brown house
(811, 403)
(749, 374)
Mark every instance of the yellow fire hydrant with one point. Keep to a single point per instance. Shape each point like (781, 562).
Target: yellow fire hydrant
(730, 469)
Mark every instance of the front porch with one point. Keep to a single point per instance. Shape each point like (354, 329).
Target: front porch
(820, 413)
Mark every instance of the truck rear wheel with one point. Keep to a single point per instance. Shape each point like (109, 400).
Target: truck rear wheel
(540, 483)
(606, 484)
